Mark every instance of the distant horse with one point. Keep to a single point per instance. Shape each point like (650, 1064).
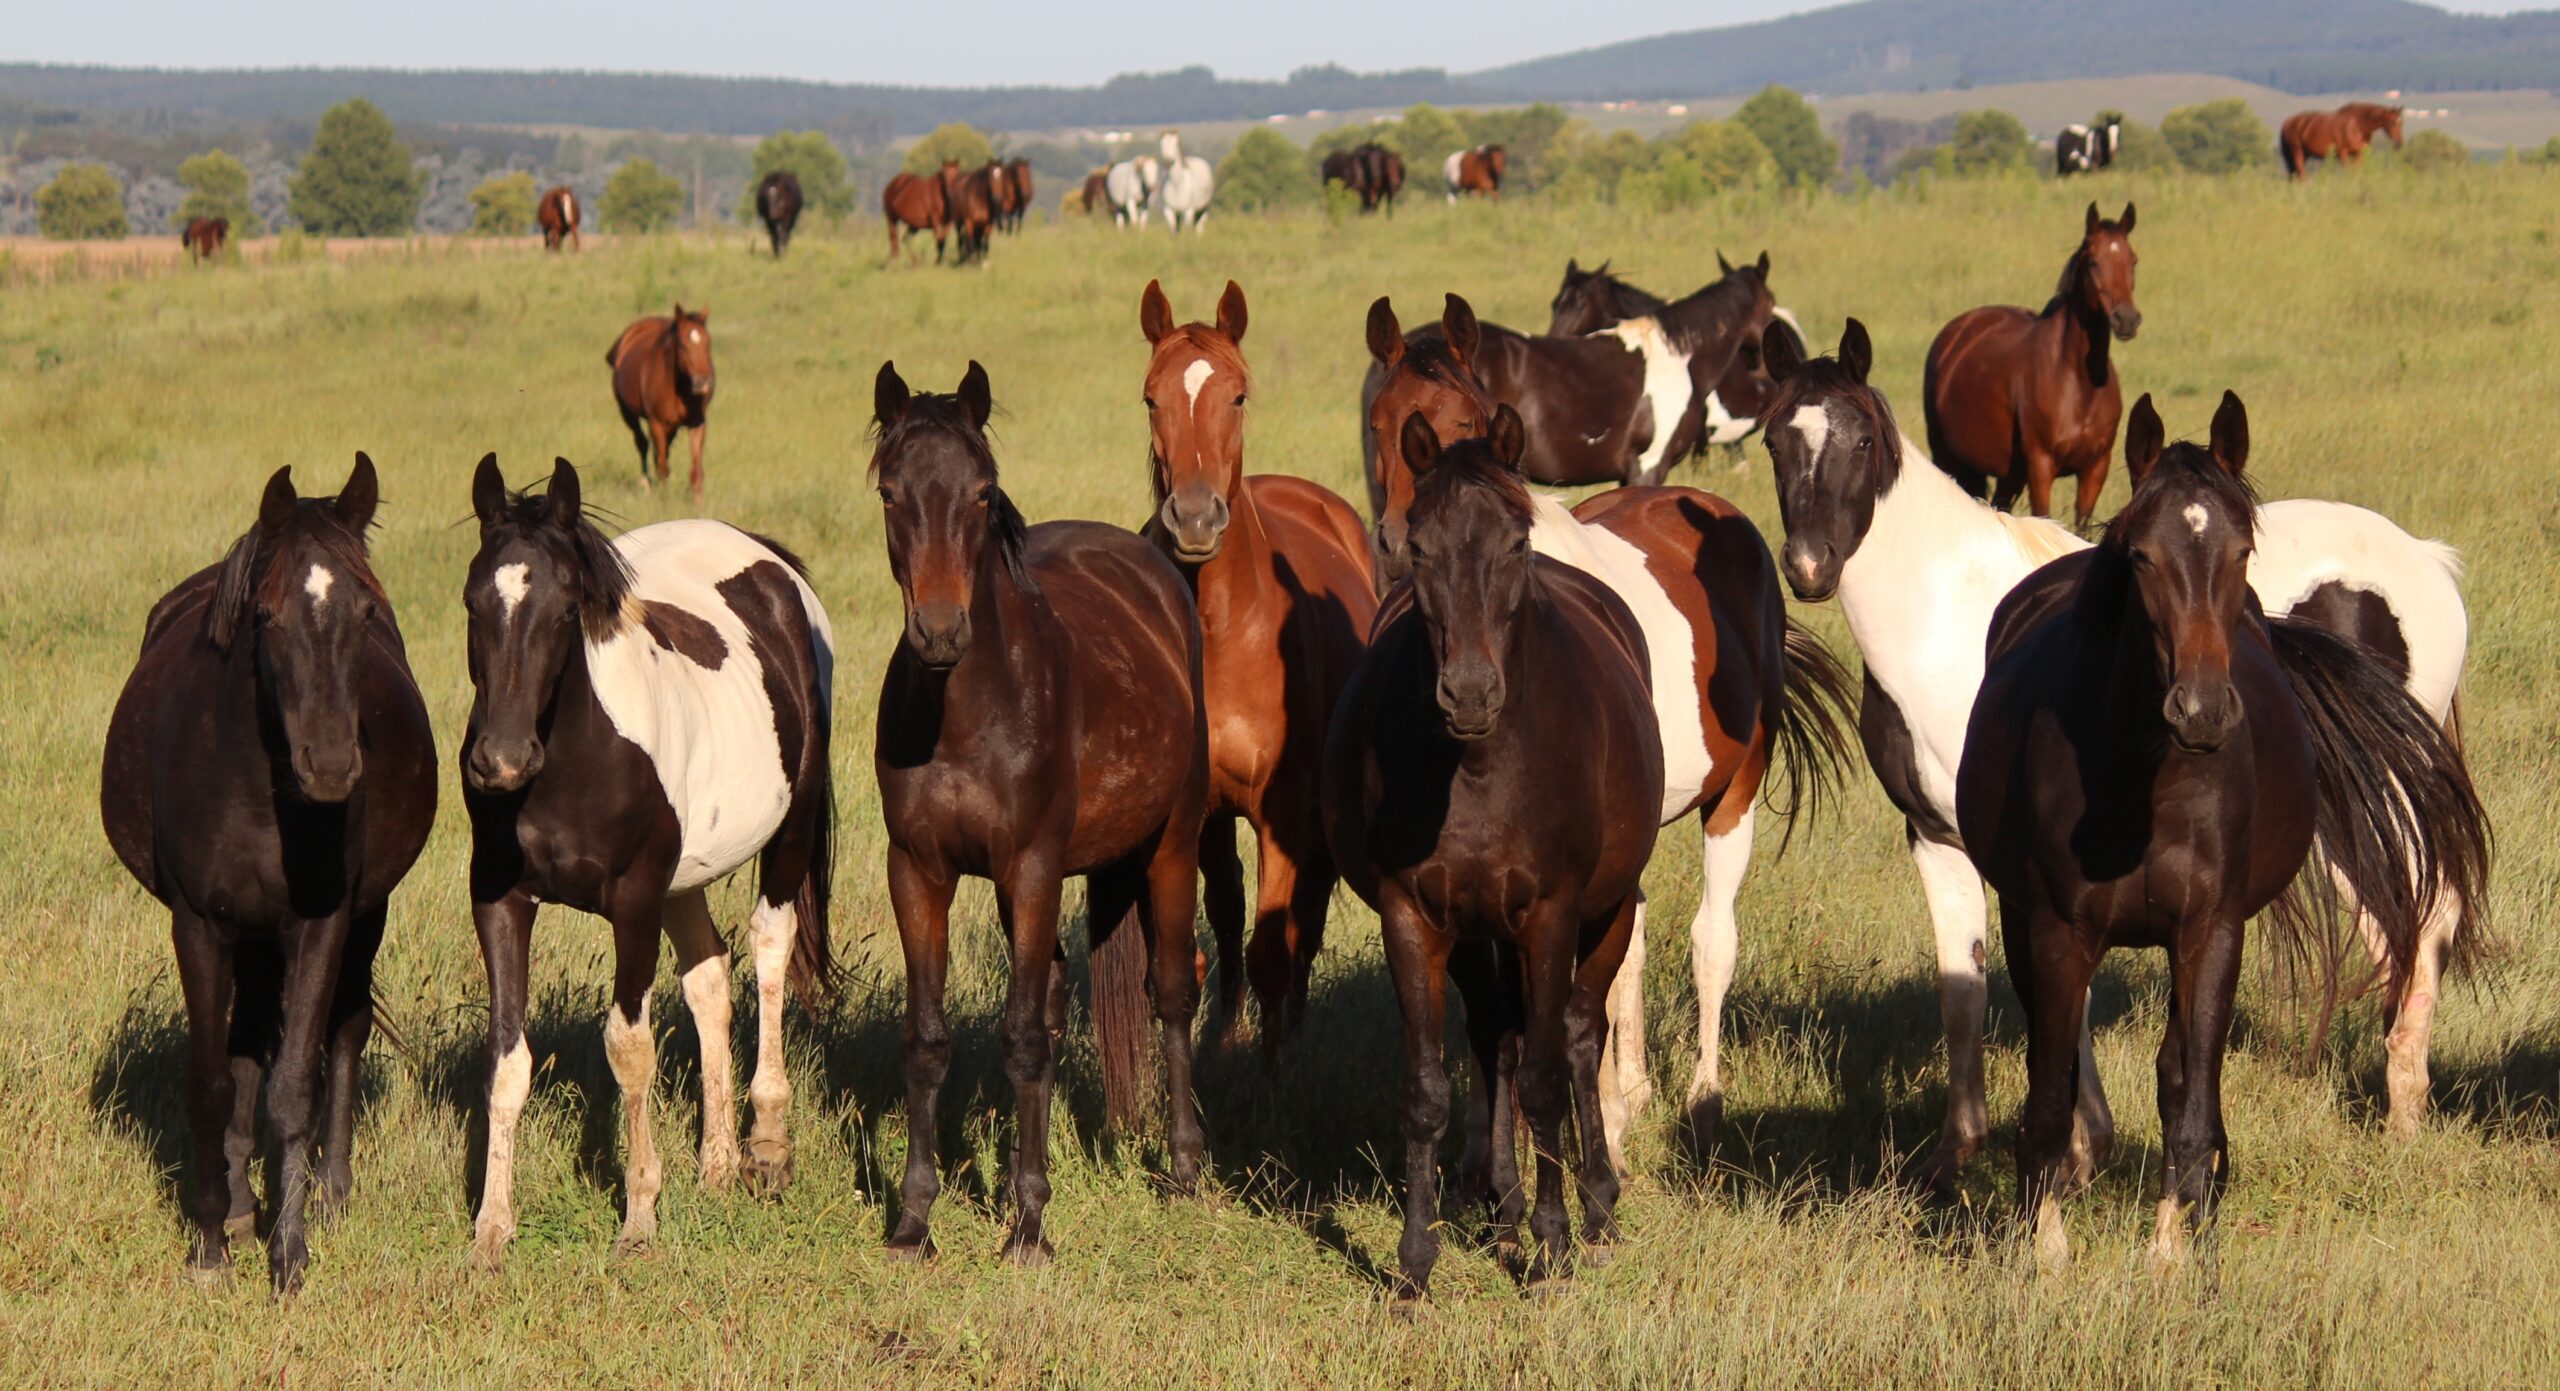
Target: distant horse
(2341, 135)
(648, 715)
(1097, 190)
(1131, 185)
(662, 382)
(1281, 571)
(1491, 782)
(2082, 149)
(778, 206)
(1017, 193)
(203, 238)
(1478, 170)
(915, 203)
(1591, 300)
(270, 777)
(1188, 185)
(1040, 716)
(2148, 764)
(558, 216)
(970, 201)
(2027, 398)
(1371, 171)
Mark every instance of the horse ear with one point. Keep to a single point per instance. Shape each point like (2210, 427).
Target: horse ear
(562, 506)
(1723, 265)
(362, 494)
(488, 490)
(1510, 437)
(1778, 355)
(1231, 312)
(889, 396)
(702, 313)
(1386, 336)
(275, 507)
(2124, 224)
(1572, 267)
(1155, 313)
(1764, 265)
(1458, 326)
(679, 310)
(1420, 443)
(2231, 434)
(2143, 435)
(976, 396)
(1857, 355)
(2089, 228)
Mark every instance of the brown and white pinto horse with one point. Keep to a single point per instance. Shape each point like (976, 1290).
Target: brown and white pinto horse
(915, 203)
(203, 238)
(2027, 398)
(2342, 135)
(1280, 568)
(662, 382)
(1475, 171)
(558, 215)
(1591, 300)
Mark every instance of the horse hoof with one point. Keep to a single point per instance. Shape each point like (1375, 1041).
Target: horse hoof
(1035, 1254)
(211, 1275)
(1545, 1289)
(240, 1226)
(717, 1170)
(633, 1245)
(1408, 1305)
(1598, 1254)
(767, 1175)
(916, 1252)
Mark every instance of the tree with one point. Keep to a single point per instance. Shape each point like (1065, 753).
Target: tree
(1264, 171)
(1726, 154)
(2435, 149)
(1525, 133)
(825, 184)
(83, 203)
(1788, 129)
(956, 141)
(1991, 142)
(2218, 137)
(218, 186)
(502, 206)
(640, 198)
(358, 180)
(1429, 135)
(2140, 149)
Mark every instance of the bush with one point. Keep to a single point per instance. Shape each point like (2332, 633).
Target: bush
(218, 186)
(83, 203)
(502, 206)
(1427, 136)
(1991, 142)
(1728, 154)
(358, 180)
(956, 141)
(1266, 171)
(2218, 137)
(1791, 134)
(2435, 149)
(825, 184)
(640, 198)
(2141, 149)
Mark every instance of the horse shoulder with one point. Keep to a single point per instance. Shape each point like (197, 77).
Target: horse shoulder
(1314, 526)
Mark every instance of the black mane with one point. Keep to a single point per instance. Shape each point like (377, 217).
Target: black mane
(946, 412)
(250, 560)
(604, 578)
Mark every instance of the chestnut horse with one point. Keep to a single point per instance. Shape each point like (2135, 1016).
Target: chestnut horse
(2341, 135)
(1280, 569)
(1591, 300)
(2027, 398)
(2148, 764)
(778, 207)
(1490, 787)
(558, 216)
(970, 202)
(915, 203)
(1096, 192)
(1475, 171)
(1040, 717)
(662, 382)
(1017, 194)
(203, 238)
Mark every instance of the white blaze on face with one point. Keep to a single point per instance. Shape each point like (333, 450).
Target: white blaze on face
(510, 580)
(1812, 424)
(317, 583)
(2196, 518)
(1196, 376)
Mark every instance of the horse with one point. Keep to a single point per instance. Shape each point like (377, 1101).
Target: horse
(648, 714)
(1131, 185)
(1280, 570)
(1371, 171)
(2083, 149)
(971, 200)
(2148, 764)
(662, 382)
(1017, 174)
(1475, 171)
(914, 203)
(1917, 567)
(1591, 300)
(778, 207)
(1096, 192)
(1490, 786)
(558, 216)
(1040, 716)
(203, 238)
(1188, 185)
(1738, 690)
(2030, 397)
(2341, 135)
(269, 776)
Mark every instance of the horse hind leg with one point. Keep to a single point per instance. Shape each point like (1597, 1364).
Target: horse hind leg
(1714, 943)
(774, 928)
(702, 965)
(1222, 902)
(1586, 1035)
(1626, 1080)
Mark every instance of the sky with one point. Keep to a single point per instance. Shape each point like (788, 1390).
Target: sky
(937, 43)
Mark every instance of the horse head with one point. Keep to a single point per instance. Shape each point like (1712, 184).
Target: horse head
(2099, 277)
(945, 517)
(1468, 553)
(1196, 387)
(544, 584)
(690, 344)
(1433, 378)
(1587, 300)
(2186, 538)
(1836, 452)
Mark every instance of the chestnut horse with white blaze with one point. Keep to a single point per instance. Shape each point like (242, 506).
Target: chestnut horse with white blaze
(662, 383)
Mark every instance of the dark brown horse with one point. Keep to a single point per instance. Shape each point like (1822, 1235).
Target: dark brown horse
(558, 215)
(778, 207)
(1280, 569)
(1730, 408)
(662, 381)
(1492, 783)
(270, 777)
(1040, 717)
(2342, 135)
(1097, 193)
(1476, 171)
(970, 202)
(2026, 398)
(204, 237)
(915, 203)
(1371, 171)
(1017, 194)
(2149, 763)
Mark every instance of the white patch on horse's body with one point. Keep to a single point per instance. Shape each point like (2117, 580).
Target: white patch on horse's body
(710, 733)
(317, 583)
(1451, 171)
(511, 583)
(1666, 382)
(2304, 543)
(2197, 518)
(1195, 376)
(1189, 183)
(1722, 425)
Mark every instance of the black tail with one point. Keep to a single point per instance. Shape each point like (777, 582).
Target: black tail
(813, 966)
(2291, 154)
(1812, 722)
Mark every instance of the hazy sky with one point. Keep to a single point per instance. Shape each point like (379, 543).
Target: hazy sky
(933, 43)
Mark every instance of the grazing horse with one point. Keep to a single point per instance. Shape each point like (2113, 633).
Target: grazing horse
(2027, 398)
(1736, 688)
(662, 381)
(1591, 300)
(203, 238)
(648, 714)
(1040, 717)
(558, 216)
(1475, 171)
(1490, 787)
(1280, 569)
(2342, 135)
(1131, 185)
(270, 777)
(914, 203)
(970, 200)
(2082, 149)
(778, 207)
(1918, 566)
(2148, 764)
(1188, 185)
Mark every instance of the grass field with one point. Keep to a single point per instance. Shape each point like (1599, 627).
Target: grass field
(2397, 339)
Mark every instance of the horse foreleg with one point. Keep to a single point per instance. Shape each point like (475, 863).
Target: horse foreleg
(1548, 955)
(2084, 505)
(1586, 1029)
(702, 966)
(505, 927)
(2040, 474)
(2051, 965)
(921, 898)
(1222, 902)
(314, 952)
(1959, 916)
(2204, 975)
(350, 1029)
(1027, 902)
(699, 433)
(1166, 910)
(205, 976)
(661, 439)
(1418, 963)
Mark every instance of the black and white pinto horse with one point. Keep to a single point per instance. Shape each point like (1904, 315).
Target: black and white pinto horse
(650, 713)
(2080, 149)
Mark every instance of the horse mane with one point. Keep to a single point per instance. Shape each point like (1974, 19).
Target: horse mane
(1430, 358)
(944, 412)
(2102, 591)
(1826, 376)
(604, 576)
(1471, 464)
(248, 574)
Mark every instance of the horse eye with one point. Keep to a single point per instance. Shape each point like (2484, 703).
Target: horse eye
(1151, 403)
(887, 498)
(1239, 400)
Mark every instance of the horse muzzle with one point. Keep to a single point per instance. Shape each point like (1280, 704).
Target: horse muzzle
(938, 633)
(1812, 570)
(1470, 700)
(2126, 321)
(1196, 521)
(498, 766)
(327, 775)
(2201, 714)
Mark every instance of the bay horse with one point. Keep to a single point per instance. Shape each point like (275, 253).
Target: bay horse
(915, 203)
(2342, 135)
(970, 201)
(1017, 193)
(1476, 171)
(2026, 398)
(1491, 783)
(558, 215)
(778, 207)
(662, 383)
(1280, 569)
(269, 776)
(1096, 192)
(1917, 567)
(2148, 764)
(648, 714)
(1591, 300)
(1040, 716)
(2083, 149)
(203, 238)
(1738, 689)
(1369, 171)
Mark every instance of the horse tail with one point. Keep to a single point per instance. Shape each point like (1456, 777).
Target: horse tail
(1810, 724)
(813, 967)
(2289, 149)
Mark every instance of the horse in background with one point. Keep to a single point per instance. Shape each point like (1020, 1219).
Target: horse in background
(2342, 135)
(1188, 184)
(2083, 149)
(778, 206)
(1591, 300)
(1131, 185)
(1371, 171)
(915, 203)
(970, 200)
(204, 237)
(558, 215)
(1097, 190)
(1476, 171)
(662, 383)
(1017, 194)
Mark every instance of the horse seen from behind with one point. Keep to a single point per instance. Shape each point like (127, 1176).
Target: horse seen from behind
(558, 216)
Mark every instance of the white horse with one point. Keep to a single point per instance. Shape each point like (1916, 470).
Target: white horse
(1129, 185)
(1188, 184)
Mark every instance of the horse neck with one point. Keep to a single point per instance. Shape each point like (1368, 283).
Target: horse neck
(1233, 583)
(1007, 624)
(1929, 571)
(2084, 340)
(1684, 322)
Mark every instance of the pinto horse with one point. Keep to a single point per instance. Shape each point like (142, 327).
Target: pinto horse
(2341, 135)
(1280, 568)
(915, 203)
(203, 238)
(2148, 764)
(2027, 398)
(648, 715)
(778, 207)
(1917, 567)
(1591, 300)
(1474, 171)
(662, 383)
(2083, 149)
(270, 777)
(1040, 716)
(1491, 788)
(557, 215)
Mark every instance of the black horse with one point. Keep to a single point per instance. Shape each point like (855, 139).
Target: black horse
(778, 204)
(270, 776)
